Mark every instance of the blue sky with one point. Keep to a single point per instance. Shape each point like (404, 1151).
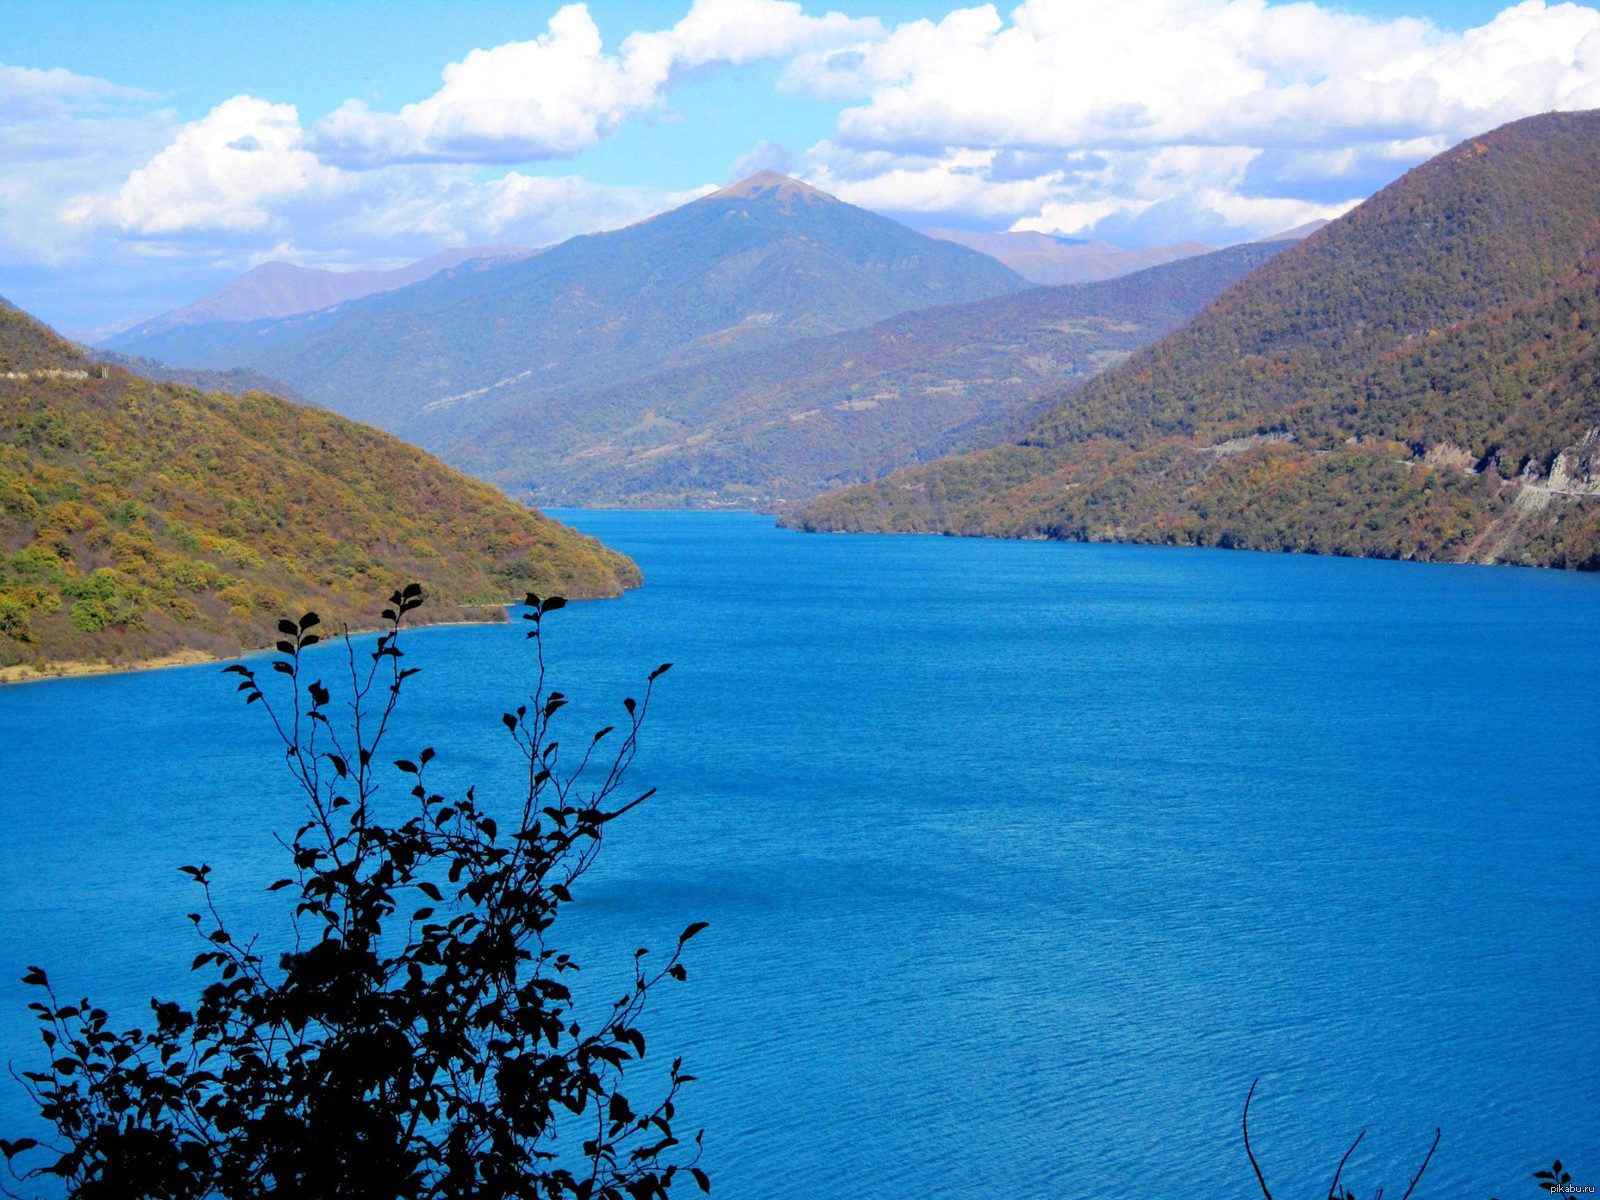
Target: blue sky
(149, 152)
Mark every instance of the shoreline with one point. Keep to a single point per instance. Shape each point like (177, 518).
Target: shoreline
(20, 673)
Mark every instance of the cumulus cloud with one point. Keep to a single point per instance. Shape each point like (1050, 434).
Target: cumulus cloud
(222, 172)
(1133, 120)
(244, 175)
(763, 156)
(1130, 73)
(62, 129)
(1134, 116)
(1131, 197)
(562, 92)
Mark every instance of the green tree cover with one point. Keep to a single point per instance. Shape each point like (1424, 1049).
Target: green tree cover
(140, 519)
(767, 424)
(1420, 379)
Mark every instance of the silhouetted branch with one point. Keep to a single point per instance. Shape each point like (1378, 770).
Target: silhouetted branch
(1437, 1133)
(1245, 1123)
(1333, 1188)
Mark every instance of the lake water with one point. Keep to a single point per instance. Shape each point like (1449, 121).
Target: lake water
(1021, 859)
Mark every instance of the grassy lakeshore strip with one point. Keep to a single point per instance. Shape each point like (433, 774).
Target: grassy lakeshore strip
(38, 672)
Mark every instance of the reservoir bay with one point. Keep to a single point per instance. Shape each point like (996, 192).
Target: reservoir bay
(1021, 859)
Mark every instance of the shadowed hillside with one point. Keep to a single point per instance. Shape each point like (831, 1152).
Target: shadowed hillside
(1419, 379)
(140, 519)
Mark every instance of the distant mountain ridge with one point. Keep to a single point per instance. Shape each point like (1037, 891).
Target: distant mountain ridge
(753, 347)
(236, 381)
(1418, 379)
(1044, 259)
(764, 261)
(783, 422)
(142, 519)
(280, 289)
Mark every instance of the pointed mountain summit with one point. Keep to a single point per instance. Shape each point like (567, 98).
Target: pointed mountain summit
(774, 187)
(281, 289)
(765, 261)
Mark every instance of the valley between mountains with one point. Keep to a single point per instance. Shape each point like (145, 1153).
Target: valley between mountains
(1419, 379)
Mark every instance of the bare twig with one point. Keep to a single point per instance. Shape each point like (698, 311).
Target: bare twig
(1333, 1187)
(1245, 1123)
(1437, 1133)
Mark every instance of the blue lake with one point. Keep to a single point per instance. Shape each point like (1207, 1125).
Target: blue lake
(1021, 859)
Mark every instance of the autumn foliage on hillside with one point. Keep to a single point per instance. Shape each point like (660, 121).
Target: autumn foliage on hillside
(138, 519)
(1416, 380)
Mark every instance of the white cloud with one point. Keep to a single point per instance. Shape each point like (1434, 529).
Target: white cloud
(222, 172)
(1168, 193)
(1239, 116)
(537, 210)
(561, 92)
(763, 156)
(62, 130)
(28, 92)
(1130, 73)
(545, 98)
(1128, 119)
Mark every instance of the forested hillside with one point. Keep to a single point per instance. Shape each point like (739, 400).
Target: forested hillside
(1419, 379)
(140, 519)
(763, 426)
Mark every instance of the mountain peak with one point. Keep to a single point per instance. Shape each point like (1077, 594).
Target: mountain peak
(772, 185)
(277, 289)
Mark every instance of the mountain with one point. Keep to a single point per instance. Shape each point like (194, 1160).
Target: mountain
(1418, 379)
(280, 289)
(1298, 234)
(140, 519)
(782, 422)
(1043, 258)
(237, 380)
(765, 261)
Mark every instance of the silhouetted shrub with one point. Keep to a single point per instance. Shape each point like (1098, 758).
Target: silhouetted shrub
(422, 1038)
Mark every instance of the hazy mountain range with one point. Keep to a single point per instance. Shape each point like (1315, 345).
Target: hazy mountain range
(1043, 258)
(731, 351)
(280, 289)
(1418, 379)
(1407, 381)
(761, 426)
